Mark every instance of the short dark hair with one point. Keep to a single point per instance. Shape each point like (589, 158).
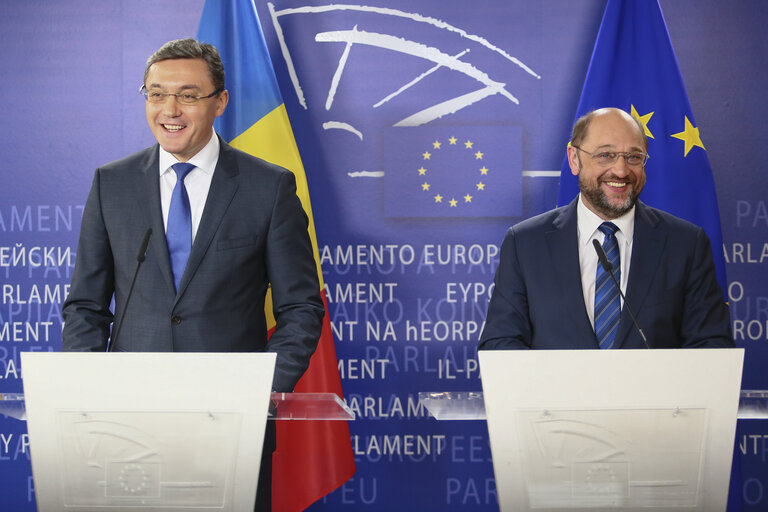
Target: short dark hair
(581, 126)
(191, 49)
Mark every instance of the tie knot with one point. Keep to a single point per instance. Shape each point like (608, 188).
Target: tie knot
(182, 169)
(608, 228)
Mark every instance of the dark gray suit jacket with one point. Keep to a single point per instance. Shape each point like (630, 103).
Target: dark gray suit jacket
(253, 234)
(672, 288)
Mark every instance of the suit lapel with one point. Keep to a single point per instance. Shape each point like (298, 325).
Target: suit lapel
(223, 187)
(563, 245)
(647, 248)
(150, 188)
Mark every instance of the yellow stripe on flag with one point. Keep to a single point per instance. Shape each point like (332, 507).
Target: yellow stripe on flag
(271, 139)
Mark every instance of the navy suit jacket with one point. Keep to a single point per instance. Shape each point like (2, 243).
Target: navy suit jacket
(252, 235)
(538, 301)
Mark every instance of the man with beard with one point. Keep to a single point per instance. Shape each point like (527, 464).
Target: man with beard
(550, 291)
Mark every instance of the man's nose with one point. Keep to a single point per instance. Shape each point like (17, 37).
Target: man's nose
(171, 106)
(621, 165)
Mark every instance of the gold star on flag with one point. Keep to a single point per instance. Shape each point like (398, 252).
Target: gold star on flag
(453, 202)
(690, 136)
(484, 170)
(479, 155)
(422, 171)
(643, 120)
(481, 186)
(436, 145)
(452, 141)
(467, 198)
(426, 155)
(438, 198)
(425, 186)
(468, 144)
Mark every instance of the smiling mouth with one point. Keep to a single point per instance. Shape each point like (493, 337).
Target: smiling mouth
(173, 127)
(616, 184)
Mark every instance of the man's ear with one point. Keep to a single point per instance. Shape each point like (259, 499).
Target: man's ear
(573, 159)
(222, 100)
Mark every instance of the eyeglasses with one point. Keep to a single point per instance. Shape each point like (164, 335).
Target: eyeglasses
(184, 98)
(608, 158)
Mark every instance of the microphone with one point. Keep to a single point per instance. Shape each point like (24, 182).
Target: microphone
(139, 260)
(143, 248)
(609, 268)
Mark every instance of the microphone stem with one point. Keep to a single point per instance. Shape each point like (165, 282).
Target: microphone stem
(139, 260)
(608, 267)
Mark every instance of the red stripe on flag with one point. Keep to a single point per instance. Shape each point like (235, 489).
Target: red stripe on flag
(313, 458)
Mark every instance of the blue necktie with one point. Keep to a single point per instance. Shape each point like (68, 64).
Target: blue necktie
(607, 301)
(178, 232)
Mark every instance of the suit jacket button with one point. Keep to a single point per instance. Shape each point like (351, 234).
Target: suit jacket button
(176, 320)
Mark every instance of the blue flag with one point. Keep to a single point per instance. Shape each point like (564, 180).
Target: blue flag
(634, 68)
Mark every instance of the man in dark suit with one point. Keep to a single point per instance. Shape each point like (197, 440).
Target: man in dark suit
(545, 294)
(229, 230)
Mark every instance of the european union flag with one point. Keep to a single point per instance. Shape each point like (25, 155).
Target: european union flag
(634, 68)
(453, 171)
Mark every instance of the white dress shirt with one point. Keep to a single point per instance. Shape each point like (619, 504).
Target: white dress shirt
(588, 223)
(197, 182)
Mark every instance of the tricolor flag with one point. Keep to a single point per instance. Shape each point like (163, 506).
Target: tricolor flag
(634, 68)
(313, 457)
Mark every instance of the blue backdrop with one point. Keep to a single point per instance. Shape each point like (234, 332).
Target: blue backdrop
(472, 93)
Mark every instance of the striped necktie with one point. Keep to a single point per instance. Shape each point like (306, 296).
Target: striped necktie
(607, 301)
(178, 232)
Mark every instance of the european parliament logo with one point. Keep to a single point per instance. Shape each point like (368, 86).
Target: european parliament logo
(452, 171)
(380, 85)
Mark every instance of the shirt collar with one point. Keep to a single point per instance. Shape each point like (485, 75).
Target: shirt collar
(205, 159)
(588, 222)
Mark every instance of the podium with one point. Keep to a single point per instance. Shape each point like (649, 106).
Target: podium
(152, 431)
(633, 430)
